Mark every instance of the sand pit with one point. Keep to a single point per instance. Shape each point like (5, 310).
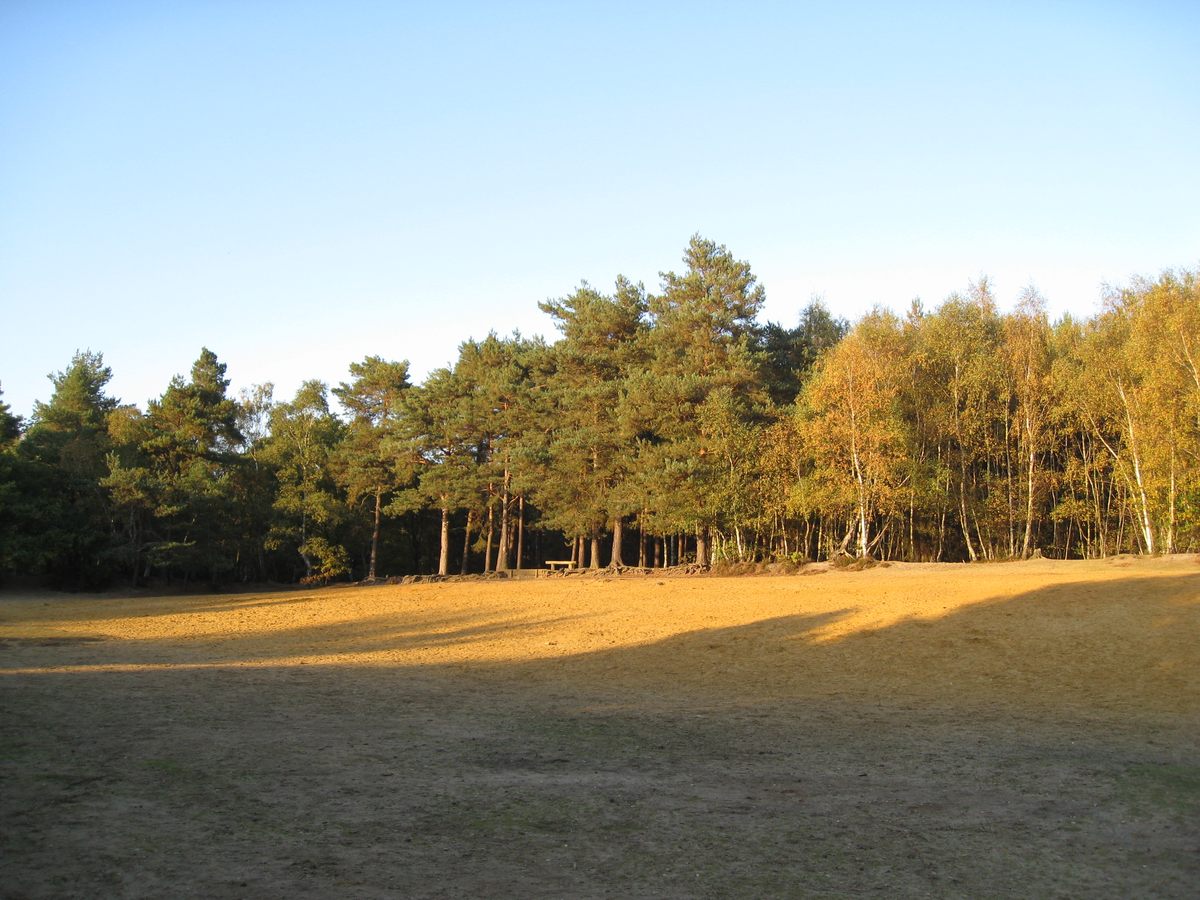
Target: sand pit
(914, 730)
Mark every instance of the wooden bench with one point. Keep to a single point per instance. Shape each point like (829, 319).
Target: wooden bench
(555, 564)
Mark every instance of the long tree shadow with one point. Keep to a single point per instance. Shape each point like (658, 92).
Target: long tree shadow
(1127, 648)
(98, 607)
(345, 642)
(1124, 647)
(1042, 744)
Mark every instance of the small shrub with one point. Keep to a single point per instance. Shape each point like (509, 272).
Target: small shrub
(853, 563)
(330, 561)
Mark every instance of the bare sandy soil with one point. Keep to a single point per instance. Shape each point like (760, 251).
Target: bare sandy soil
(1020, 729)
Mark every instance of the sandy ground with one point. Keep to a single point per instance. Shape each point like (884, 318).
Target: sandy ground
(1018, 729)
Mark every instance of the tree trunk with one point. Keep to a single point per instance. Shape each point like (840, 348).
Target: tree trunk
(467, 542)
(444, 554)
(1008, 480)
(851, 530)
(135, 544)
(487, 551)
(1143, 504)
(595, 561)
(375, 535)
(878, 538)
(1120, 541)
(985, 546)
(520, 529)
(912, 515)
(1168, 545)
(1025, 545)
(962, 465)
(941, 543)
(615, 559)
(702, 547)
(502, 553)
(860, 486)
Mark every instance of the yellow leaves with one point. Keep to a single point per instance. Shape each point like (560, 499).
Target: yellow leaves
(852, 427)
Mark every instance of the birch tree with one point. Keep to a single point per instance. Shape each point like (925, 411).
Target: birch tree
(1026, 333)
(851, 423)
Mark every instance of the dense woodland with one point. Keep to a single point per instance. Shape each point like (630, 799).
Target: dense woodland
(662, 428)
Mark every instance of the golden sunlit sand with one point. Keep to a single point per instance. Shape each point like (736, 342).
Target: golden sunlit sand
(1120, 634)
(913, 729)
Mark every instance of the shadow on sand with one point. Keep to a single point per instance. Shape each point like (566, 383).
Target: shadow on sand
(1043, 744)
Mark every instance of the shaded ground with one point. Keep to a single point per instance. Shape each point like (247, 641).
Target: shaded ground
(1008, 730)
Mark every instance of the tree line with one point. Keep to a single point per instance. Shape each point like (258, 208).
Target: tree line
(661, 428)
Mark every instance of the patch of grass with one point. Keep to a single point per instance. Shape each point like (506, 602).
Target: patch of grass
(547, 815)
(1173, 788)
(166, 766)
(66, 779)
(13, 752)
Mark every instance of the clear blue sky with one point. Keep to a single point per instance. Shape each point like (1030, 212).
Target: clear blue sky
(298, 185)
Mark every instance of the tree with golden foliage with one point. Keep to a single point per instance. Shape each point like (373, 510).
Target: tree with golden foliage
(852, 428)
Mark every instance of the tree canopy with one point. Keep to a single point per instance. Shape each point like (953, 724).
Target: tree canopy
(663, 426)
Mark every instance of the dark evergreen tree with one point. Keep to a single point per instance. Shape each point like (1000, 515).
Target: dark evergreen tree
(308, 506)
(13, 493)
(190, 449)
(788, 354)
(369, 464)
(442, 438)
(67, 445)
(10, 425)
(703, 323)
(583, 487)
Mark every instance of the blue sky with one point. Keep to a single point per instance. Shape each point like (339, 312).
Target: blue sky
(298, 185)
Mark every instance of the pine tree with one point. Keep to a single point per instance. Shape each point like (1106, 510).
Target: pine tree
(14, 515)
(10, 426)
(789, 354)
(133, 490)
(67, 445)
(190, 448)
(442, 437)
(700, 339)
(584, 488)
(308, 507)
(367, 465)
